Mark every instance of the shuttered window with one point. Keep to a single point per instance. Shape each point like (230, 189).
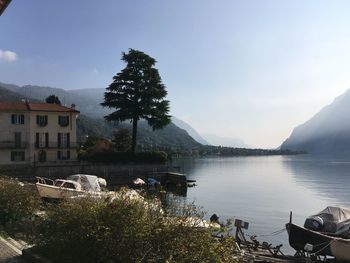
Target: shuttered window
(17, 118)
(63, 120)
(18, 156)
(41, 120)
(42, 140)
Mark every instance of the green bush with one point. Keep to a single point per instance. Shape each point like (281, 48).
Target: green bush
(125, 230)
(17, 203)
(127, 157)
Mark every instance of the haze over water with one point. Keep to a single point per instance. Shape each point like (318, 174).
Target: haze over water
(263, 190)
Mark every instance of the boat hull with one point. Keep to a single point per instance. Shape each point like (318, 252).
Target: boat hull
(300, 236)
(341, 249)
(54, 192)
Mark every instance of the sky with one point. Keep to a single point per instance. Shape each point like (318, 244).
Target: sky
(245, 69)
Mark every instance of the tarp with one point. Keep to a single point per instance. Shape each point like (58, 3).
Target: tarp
(88, 182)
(139, 181)
(334, 220)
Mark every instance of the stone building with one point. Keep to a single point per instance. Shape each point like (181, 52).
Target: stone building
(37, 133)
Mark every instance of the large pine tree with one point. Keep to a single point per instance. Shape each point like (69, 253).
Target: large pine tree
(137, 92)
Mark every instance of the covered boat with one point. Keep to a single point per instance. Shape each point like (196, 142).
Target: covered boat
(326, 233)
(331, 220)
(74, 185)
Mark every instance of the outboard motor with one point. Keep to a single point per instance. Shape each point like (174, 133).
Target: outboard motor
(314, 223)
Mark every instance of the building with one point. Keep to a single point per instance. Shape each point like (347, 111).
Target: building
(37, 133)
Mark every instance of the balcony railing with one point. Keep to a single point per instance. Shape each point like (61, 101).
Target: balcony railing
(54, 145)
(13, 145)
(23, 145)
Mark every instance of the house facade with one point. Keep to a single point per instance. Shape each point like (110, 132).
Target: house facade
(37, 133)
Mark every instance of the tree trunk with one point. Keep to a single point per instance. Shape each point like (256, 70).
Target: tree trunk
(134, 135)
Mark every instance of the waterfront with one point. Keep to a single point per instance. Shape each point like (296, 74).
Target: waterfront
(263, 190)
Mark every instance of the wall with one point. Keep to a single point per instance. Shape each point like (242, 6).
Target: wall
(114, 174)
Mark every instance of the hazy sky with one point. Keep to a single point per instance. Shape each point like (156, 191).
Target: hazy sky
(247, 69)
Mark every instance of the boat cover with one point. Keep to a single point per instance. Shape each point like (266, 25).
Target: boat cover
(333, 220)
(88, 182)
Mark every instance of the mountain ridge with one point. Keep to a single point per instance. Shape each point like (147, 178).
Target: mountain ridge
(328, 131)
(93, 124)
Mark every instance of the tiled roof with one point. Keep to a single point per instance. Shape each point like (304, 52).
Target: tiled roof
(49, 107)
(13, 106)
(35, 107)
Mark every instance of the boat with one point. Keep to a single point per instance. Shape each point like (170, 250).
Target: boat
(302, 239)
(75, 185)
(326, 233)
(341, 249)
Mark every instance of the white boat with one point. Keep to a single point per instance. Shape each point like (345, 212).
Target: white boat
(74, 185)
(341, 249)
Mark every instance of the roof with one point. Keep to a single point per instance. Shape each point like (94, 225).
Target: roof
(35, 107)
(13, 106)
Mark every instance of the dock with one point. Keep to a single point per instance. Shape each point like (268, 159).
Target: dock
(170, 179)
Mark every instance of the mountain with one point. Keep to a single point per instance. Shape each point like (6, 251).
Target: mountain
(192, 132)
(91, 122)
(225, 141)
(326, 132)
(10, 96)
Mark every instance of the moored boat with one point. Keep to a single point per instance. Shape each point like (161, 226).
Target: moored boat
(299, 237)
(326, 233)
(74, 185)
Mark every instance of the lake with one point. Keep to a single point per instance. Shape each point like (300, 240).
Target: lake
(263, 190)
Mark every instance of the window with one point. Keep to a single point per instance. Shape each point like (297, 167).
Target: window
(63, 140)
(42, 156)
(68, 185)
(63, 120)
(18, 139)
(17, 119)
(41, 120)
(63, 155)
(42, 140)
(17, 156)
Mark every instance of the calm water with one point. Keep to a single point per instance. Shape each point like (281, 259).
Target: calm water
(263, 190)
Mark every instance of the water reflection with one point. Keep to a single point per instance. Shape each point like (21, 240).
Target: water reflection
(263, 190)
(329, 176)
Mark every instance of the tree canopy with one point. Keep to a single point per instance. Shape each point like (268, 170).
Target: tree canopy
(137, 92)
(53, 99)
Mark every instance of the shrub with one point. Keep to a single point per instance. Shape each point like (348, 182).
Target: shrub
(125, 230)
(17, 203)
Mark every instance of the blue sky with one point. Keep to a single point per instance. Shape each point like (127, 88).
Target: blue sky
(247, 69)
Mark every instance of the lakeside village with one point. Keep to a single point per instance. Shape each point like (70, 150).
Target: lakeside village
(72, 214)
(38, 142)
(91, 223)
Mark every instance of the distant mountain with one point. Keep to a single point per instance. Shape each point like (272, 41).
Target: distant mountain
(10, 96)
(326, 132)
(91, 120)
(192, 132)
(225, 141)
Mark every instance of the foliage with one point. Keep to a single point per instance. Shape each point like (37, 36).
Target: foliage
(126, 230)
(122, 140)
(87, 127)
(94, 145)
(126, 157)
(53, 99)
(17, 203)
(137, 92)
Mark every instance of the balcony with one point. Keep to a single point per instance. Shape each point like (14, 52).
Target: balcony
(54, 145)
(13, 145)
